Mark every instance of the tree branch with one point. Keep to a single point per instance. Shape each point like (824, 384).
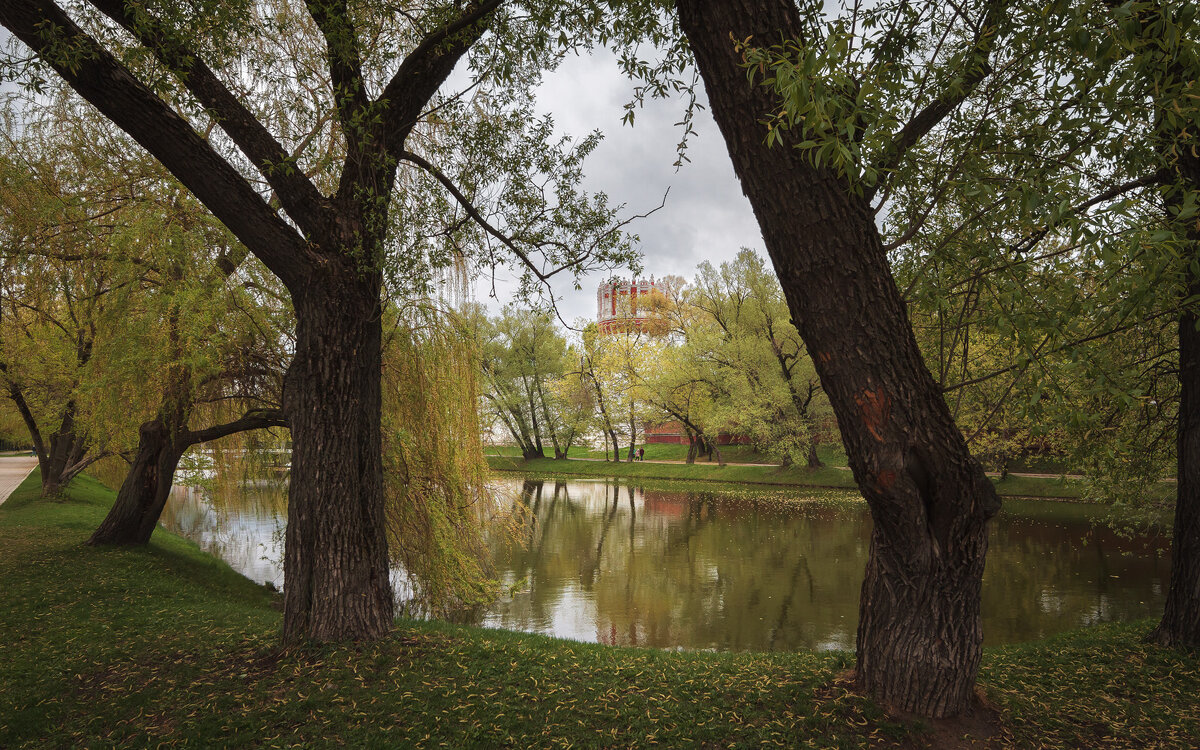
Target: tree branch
(946, 102)
(345, 60)
(299, 196)
(426, 68)
(255, 419)
(102, 80)
(1028, 242)
(18, 398)
(1063, 347)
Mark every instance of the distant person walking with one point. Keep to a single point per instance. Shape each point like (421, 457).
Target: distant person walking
(641, 454)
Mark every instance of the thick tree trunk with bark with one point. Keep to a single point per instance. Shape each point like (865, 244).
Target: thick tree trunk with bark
(336, 583)
(919, 634)
(1180, 625)
(144, 492)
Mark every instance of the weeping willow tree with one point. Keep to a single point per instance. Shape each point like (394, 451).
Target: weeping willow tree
(435, 474)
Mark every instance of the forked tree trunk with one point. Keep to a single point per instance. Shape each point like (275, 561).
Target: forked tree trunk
(336, 584)
(59, 461)
(144, 492)
(919, 634)
(163, 440)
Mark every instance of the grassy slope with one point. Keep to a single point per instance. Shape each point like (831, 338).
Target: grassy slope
(1013, 486)
(167, 645)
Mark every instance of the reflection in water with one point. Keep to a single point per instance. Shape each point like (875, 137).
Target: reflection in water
(242, 526)
(610, 563)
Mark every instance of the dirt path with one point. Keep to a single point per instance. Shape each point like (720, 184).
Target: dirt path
(13, 470)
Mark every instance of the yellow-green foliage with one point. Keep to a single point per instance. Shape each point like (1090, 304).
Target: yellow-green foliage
(434, 469)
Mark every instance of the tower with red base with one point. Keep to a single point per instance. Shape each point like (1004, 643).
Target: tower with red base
(617, 303)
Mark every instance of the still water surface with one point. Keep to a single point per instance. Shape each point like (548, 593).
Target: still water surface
(620, 564)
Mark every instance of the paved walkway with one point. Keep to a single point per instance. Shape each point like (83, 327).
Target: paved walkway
(13, 470)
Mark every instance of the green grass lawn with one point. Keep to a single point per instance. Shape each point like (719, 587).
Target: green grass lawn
(1013, 486)
(734, 454)
(826, 477)
(165, 645)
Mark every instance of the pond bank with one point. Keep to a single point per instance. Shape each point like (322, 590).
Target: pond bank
(1051, 488)
(165, 644)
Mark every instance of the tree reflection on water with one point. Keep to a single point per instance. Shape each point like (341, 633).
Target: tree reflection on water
(744, 570)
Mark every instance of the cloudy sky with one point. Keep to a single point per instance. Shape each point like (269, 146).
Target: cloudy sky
(706, 217)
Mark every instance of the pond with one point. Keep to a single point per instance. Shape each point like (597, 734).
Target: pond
(733, 570)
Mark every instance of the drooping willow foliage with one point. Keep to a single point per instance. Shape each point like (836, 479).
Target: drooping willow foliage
(434, 470)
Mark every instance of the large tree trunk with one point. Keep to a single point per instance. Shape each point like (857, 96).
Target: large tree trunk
(336, 583)
(144, 492)
(919, 634)
(1180, 625)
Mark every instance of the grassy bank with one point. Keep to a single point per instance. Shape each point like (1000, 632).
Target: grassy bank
(828, 477)
(164, 644)
(734, 454)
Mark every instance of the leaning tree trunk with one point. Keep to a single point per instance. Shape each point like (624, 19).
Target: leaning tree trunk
(336, 584)
(144, 492)
(919, 634)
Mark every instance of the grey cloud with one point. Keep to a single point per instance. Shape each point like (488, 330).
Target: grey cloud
(706, 217)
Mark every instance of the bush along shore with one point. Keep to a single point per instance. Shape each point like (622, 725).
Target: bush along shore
(167, 645)
(828, 477)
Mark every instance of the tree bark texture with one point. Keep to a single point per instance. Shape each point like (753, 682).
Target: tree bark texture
(919, 633)
(1180, 625)
(143, 494)
(336, 582)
